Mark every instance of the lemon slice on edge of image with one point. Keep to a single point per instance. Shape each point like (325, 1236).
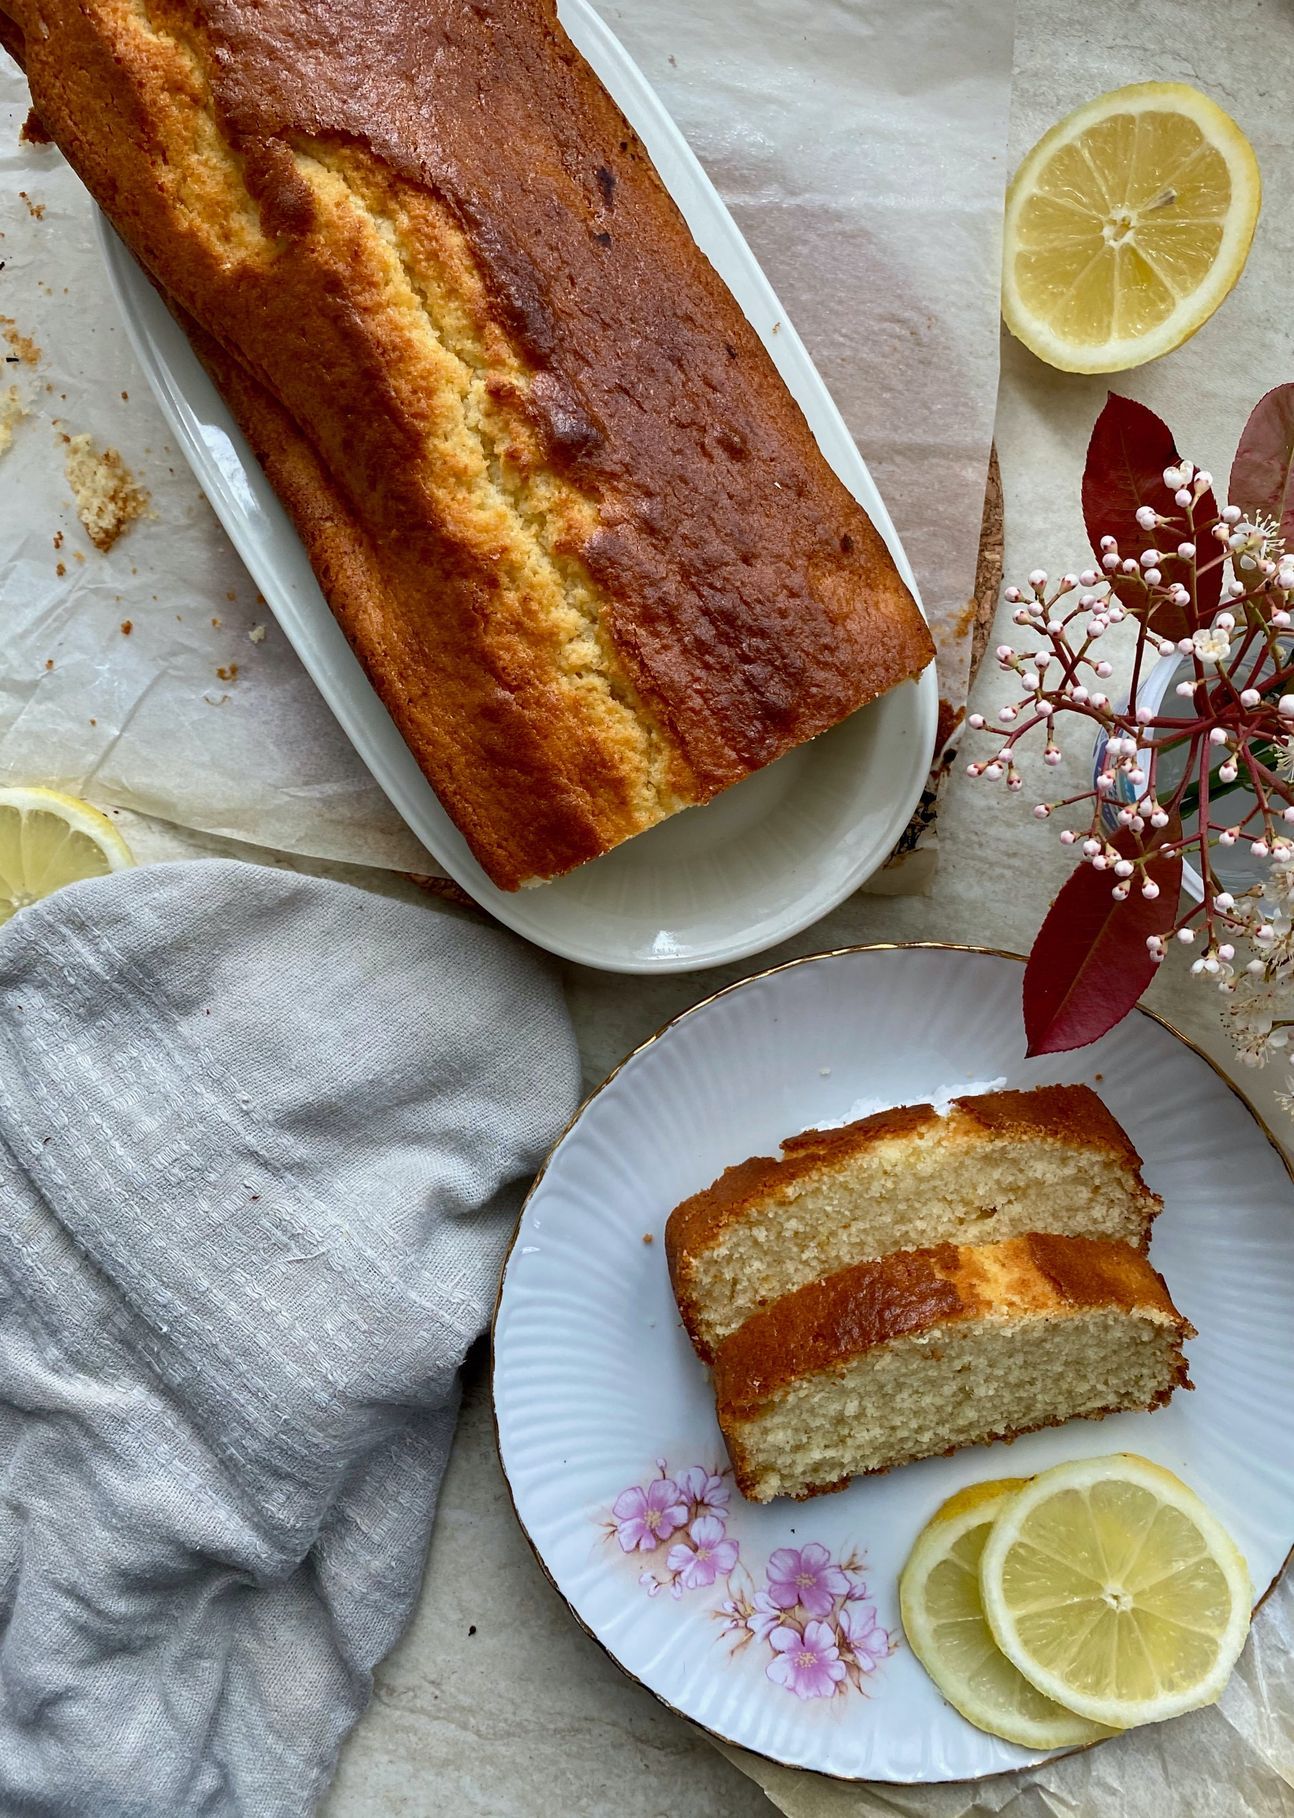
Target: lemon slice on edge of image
(1115, 1591)
(48, 840)
(944, 1621)
(1126, 226)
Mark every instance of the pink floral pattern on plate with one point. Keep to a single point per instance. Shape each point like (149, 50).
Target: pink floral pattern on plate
(813, 1615)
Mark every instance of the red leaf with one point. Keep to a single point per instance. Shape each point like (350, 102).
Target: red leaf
(1262, 476)
(1126, 458)
(1089, 962)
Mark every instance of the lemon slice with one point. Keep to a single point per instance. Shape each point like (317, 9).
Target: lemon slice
(943, 1619)
(48, 840)
(1126, 226)
(1114, 1591)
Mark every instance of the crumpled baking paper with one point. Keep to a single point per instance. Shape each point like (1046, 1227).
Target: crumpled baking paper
(864, 160)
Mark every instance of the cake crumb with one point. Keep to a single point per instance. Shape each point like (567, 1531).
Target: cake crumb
(12, 411)
(60, 569)
(108, 498)
(35, 209)
(125, 397)
(228, 672)
(231, 595)
(215, 624)
(127, 626)
(257, 634)
(49, 662)
(24, 348)
(58, 539)
(648, 1238)
(33, 130)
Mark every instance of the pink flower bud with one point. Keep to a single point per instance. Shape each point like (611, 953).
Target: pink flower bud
(1150, 890)
(1250, 697)
(1067, 837)
(1186, 551)
(1124, 868)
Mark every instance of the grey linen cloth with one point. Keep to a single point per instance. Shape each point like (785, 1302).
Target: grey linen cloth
(262, 1143)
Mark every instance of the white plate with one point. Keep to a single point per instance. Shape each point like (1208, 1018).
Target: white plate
(597, 1390)
(765, 859)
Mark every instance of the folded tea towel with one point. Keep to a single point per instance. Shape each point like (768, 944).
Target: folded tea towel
(262, 1143)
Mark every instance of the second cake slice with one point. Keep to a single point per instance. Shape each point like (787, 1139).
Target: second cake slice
(929, 1350)
(995, 1167)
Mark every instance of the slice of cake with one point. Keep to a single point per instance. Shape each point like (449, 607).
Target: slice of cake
(994, 1167)
(927, 1350)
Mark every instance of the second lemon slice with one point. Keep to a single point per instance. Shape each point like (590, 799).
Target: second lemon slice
(943, 1619)
(1126, 226)
(1114, 1590)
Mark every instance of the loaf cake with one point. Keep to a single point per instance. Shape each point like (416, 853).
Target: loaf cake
(927, 1350)
(996, 1166)
(570, 518)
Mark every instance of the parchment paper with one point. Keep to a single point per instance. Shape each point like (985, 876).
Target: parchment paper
(861, 146)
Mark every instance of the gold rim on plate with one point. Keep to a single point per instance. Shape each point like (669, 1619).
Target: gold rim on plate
(809, 959)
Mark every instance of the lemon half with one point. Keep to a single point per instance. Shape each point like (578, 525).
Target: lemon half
(1115, 1592)
(1126, 226)
(944, 1621)
(48, 840)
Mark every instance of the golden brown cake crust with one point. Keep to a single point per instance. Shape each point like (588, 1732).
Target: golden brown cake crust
(1065, 1114)
(823, 1326)
(572, 522)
